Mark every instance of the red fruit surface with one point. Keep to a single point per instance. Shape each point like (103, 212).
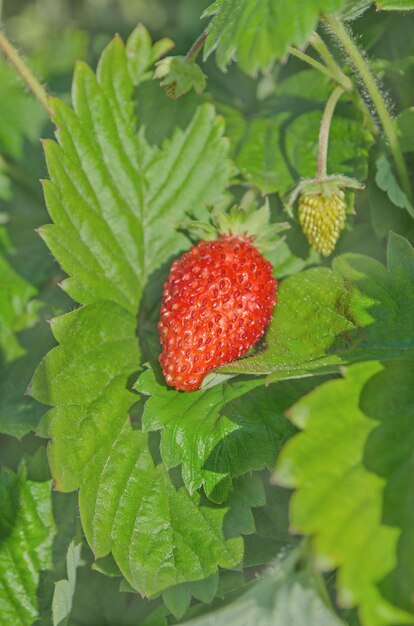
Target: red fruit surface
(217, 303)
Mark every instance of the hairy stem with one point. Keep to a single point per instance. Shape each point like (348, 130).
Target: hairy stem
(319, 45)
(317, 65)
(324, 131)
(30, 79)
(193, 52)
(341, 33)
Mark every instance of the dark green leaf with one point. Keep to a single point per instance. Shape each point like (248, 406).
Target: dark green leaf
(214, 435)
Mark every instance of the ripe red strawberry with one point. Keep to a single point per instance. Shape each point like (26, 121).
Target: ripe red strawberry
(217, 303)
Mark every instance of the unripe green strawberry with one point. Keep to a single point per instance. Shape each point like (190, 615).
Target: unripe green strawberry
(322, 218)
(217, 303)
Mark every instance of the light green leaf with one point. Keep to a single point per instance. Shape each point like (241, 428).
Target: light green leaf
(358, 311)
(123, 496)
(386, 181)
(282, 598)
(337, 500)
(65, 589)
(114, 201)
(220, 433)
(27, 530)
(256, 33)
(395, 5)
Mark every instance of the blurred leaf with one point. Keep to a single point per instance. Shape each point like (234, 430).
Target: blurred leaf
(27, 529)
(395, 5)
(388, 397)
(177, 599)
(65, 589)
(21, 117)
(386, 181)
(256, 33)
(405, 123)
(212, 434)
(279, 144)
(337, 500)
(358, 311)
(282, 598)
(15, 311)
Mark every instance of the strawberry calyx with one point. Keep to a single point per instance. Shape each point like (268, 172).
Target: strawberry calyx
(244, 222)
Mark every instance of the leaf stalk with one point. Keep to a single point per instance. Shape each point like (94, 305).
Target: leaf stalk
(325, 130)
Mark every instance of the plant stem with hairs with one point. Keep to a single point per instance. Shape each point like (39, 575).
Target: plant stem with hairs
(338, 30)
(29, 78)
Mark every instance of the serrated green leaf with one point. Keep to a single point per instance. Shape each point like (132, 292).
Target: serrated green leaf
(27, 530)
(358, 311)
(257, 33)
(123, 496)
(386, 181)
(65, 589)
(214, 435)
(114, 201)
(337, 500)
(282, 598)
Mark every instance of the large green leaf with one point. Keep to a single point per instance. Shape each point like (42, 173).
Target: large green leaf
(358, 311)
(256, 33)
(338, 501)
(220, 433)
(159, 534)
(27, 530)
(114, 201)
(282, 598)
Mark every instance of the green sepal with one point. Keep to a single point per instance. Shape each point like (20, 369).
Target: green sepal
(179, 75)
(249, 221)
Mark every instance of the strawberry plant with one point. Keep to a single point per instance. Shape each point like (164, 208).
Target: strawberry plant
(206, 315)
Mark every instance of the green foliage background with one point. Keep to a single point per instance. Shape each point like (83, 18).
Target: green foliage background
(150, 506)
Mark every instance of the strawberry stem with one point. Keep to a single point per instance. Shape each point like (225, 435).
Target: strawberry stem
(30, 79)
(193, 52)
(361, 66)
(324, 132)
